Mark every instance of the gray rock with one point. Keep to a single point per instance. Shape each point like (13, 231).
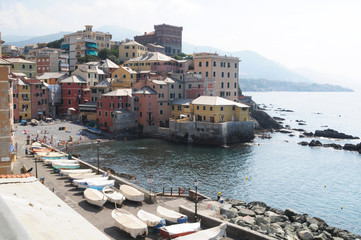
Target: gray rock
(297, 226)
(262, 220)
(278, 211)
(290, 212)
(311, 221)
(277, 228)
(274, 217)
(290, 235)
(305, 235)
(313, 227)
(261, 204)
(227, 211)
(245, 212)
(248, 220)
(267, 228)
(235, 202)
(258, 210)
(337, 238)
(301, 218)
(321, 236)
(328, 235)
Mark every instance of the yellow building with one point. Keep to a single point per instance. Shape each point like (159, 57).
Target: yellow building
(181, 108)
(159, 61)
(131, 49)
(211, 109)
(20, 65)
(6, 119)
(123, 77)
(24, 100)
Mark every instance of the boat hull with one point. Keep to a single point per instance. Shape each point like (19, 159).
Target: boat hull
(95, 197)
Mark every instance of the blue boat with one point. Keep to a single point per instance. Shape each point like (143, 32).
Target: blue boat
(94, 130)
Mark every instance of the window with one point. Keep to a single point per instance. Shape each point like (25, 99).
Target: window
(222, 74)
(197, 107)
(161, 112)
(172, 107)
(214, 74)
(100, 113)
(221, 108)
(180, 86)
(228, 75)
(228, 85)
(179, 95)
(204, 108)
(206, 74)
(235, 75)
(210, 108)
(69, 92)
(23, 66)
(199, 86)
(235, 65)
(222, 84)
(111, 105)
(106, 114)
(229, 65)
(189, 86)
(69, 102)
(214, 64)
(172, 86)
(235, 85)
(140, 114)
(206, 63)
(200, 64)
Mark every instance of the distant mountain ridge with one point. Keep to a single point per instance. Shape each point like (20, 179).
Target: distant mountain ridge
(39, 39)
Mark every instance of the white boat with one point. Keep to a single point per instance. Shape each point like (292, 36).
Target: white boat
(131, 193)
(94, 130)
(66, 165)
(150, 219)
(181, 229)
(94, 197)
(43, 155)
(129, 223)
(113, 195)
(99, 185)
(85, 180)
(215, 233)
(61, 161)
(76, 176)
(67, 172)
(50, 161)
(170, 215)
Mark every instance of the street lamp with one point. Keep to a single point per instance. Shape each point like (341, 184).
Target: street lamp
(150, 181)
(98, 154)
(195, 208)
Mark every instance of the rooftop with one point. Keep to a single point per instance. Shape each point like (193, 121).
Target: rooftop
(119, 92)
(73, 79)
(152, 56)
(131, 43)
(216, 101)
(49, 75)
(18, 60)
(145, 90)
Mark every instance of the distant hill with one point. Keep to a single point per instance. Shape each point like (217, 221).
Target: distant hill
(118, 33)
(40, 39)
(263, 85)
(253, 65)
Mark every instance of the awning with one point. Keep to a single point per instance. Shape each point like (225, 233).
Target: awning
(91, 45)
(65, 46)
(91, 52)
(12, 149)
(71, 109)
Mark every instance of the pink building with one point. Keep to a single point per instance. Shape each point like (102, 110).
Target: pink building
(74, 92)
(109, 103)
(39, 99)
(147, 106)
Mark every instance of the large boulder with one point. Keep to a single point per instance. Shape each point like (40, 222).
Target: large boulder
(227, 211)
(245, 212)
(256, 203)
(274, 217)
(290, 212)
(305, 235)
(330, 133)
(235, 202)
(315, 143)
(264, 120)
(262, 220)
(350, 147)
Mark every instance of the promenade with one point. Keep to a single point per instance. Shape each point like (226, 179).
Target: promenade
(99, 217)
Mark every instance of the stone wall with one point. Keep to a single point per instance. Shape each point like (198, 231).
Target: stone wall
(211, 133)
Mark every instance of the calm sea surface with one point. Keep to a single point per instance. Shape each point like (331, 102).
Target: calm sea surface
(277, 171)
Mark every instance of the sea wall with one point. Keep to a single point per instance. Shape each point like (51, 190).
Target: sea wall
(211, 133)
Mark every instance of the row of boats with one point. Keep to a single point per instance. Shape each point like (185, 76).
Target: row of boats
(99, 189)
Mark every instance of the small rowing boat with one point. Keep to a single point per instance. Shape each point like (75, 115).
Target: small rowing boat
(75, 171)
(94, 130)
(99, 185)
(113, 195)
(95, 197)
(170, 215)
(129, 223)
(215, 233)
(131, 193)
(83, 181)
(150, 219)
(180, 229)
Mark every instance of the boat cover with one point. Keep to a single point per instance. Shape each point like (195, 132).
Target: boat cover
(169, 215)
(150, 219)
(215, 233)
(131, 193)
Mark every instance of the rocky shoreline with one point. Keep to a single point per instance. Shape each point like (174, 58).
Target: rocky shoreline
(288, 224)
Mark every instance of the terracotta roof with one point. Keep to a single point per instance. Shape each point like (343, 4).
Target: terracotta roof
(24, 175)
(4, 62)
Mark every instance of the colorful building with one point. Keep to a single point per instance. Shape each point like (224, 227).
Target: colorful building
(147, 106)
(216, 109)
(52, 77)
(24, 100)
(157, 63)
(1, 44)
(131, 49)
(19, 65)
(90, 72)
(108, 103)
(74, 91)
(223, 69)
(168, 36)
(124, 77)
(7, 153)
(39, 99)
(47, 59)
(84, 42)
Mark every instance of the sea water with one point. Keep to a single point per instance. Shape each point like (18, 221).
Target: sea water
(322, 182)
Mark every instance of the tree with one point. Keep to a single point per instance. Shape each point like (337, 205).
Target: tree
(87, 58)
(55, 44)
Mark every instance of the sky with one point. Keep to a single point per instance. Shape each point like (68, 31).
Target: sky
(323, 35)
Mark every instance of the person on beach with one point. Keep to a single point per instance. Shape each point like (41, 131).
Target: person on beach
(107, 173)
(219, 196)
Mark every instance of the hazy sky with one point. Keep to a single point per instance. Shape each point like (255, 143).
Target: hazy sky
(324, 35)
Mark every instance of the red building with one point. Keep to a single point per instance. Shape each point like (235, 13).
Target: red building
(74, 91)
(110, 102)
(147, 101)
(39, 99)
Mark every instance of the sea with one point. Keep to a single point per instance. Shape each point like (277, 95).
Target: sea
(322, 182)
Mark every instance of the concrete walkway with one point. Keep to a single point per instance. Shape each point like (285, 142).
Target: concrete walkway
(99, 217)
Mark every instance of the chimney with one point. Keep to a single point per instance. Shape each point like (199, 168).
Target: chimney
(145, 33)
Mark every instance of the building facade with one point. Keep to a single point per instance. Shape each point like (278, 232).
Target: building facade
(84, 42)
(168, 36)
(131, 49)
(19, 65)
(6, 120)
(73, 92)
(223, 69)
(39, 99)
